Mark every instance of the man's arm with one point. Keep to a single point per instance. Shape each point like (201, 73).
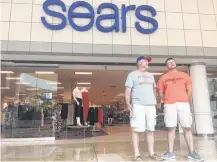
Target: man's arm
(127, 97)
(189, 90)
(154, 86)
(155, 92)
(188, 86)
(128, 85)
(161, 94)
(160, 87)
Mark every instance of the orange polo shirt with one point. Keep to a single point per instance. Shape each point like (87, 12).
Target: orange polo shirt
(174, 85)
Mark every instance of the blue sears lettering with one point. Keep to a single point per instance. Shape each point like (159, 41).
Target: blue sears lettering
(48, 3)
(71, 15)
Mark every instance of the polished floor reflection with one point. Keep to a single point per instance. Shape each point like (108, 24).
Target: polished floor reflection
(116, 146)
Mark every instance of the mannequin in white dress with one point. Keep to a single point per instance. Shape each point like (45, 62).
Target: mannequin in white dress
(77, 96)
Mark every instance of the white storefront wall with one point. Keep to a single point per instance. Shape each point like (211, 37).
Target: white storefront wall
(191, 25)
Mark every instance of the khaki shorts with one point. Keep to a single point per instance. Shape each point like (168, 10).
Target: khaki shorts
(143, 118)
(178, 111)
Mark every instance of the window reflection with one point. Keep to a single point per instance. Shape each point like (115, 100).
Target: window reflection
(27, 101)
(212, 83)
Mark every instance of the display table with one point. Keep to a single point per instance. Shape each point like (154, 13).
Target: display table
(79, 130)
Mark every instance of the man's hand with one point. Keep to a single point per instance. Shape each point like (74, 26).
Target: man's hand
(127, 97)
(129, 108)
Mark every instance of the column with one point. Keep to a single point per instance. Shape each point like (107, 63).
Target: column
(201, 100)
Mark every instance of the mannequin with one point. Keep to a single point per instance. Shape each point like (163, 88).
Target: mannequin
(77, 96)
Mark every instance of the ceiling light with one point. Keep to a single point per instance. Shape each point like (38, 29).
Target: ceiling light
(54, 83)
(6, 72)
(22, 83)
(121, 95)
(13, 78)
(210, 74)
(4, 88)
(44, 72)
(32, 89)
(83, 73)
(82, 83)
(84, 87)
(58, 87)
(20, 94)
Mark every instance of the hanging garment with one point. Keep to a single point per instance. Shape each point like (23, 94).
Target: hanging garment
(70, 118)
(57, 121)
(96, 115)
(85, 105)
(110, 112)
(11, 115)
(20, 110)
(100, 115)
(92, 115)
(64, 111)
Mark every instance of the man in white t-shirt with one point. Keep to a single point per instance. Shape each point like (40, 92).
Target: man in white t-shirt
(141, 102)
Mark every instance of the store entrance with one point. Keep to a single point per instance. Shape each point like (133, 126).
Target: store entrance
(42, 101)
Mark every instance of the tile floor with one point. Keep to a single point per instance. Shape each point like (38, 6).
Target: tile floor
(116, 146)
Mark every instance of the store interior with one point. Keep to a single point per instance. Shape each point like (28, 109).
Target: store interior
(45, 98)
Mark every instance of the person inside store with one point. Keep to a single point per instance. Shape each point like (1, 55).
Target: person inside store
(110, 112)
(141, 103)
(175, 89)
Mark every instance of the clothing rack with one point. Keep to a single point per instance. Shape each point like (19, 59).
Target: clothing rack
(94, 127)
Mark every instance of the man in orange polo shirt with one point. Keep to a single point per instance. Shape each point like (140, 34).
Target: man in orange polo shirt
(175, 90)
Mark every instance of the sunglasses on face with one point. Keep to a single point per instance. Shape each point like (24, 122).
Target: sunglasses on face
(171, 62)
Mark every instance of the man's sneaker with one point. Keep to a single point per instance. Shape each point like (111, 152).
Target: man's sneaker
(194, 156)
(168, 156)
(155, 157)
(137, 158)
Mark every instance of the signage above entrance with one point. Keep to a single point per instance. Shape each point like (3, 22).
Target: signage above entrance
(99, 17)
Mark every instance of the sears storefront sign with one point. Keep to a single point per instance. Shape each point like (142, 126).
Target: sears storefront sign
(116, 16)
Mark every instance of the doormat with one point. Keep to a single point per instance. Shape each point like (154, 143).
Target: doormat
(79, 134)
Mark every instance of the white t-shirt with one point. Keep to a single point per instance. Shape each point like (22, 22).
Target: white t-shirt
(77, 93)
